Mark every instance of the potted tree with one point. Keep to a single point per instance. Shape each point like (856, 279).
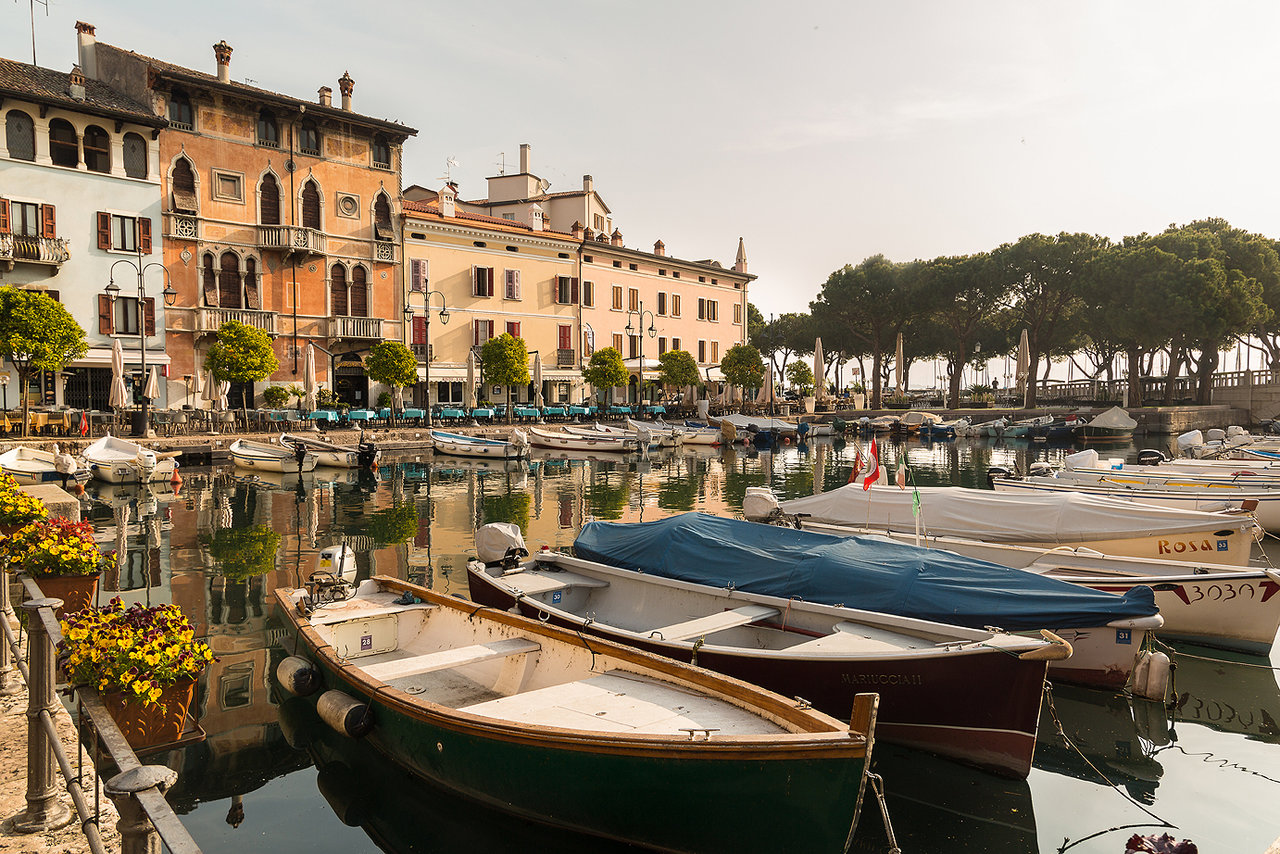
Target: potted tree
(275, 396)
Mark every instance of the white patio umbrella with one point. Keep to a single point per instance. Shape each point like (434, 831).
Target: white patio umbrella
(214, 391)
(118, 393)
(897, 366)
(309, 376)
(197, 384)
(469, 391)
(819, 371)
(152, 389)
(1023, 371)
(537, 381)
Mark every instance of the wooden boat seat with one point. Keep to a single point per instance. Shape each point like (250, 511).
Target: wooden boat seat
(341, 615)
(532, 583)
(853, 637)
(447, 659)
(715, 622)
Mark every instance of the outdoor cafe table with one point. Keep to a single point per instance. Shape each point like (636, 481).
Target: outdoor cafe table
(361, 415)
(582, 410)
(323, 415)
(619, 410)
(654, 410)
(481, 412)
(555, 411)
(452, 413)
(62, 420)
(526, 412)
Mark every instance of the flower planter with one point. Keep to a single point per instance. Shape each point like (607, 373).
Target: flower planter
(77, 592)
(159, 723)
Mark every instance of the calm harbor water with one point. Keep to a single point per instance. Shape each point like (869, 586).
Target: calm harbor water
(1106, 766)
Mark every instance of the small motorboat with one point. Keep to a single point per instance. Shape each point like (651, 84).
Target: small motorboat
(117, 460)
(573, 442)
(1027, 428)
(619, 738)
(362, 455)
(761, 423)
(459, 445)
(643, 433)
(1114, 425)
(703, 435)
(32, 465)
(264, 456)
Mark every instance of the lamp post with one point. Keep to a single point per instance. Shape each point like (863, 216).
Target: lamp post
(4, 387)
(444, 319)
(141, 424)
(631, 330)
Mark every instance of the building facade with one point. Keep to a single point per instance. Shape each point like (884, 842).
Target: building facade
(79, 208)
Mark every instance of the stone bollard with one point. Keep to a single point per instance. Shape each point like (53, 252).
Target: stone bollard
(44, 810)
(137, 834)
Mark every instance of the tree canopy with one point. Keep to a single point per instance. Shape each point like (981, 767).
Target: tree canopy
(391, 363)
(605, 370)
(37, 334)
(801, 376)
(677, 368)
(242, 354)
(505, 363)
(742, 366)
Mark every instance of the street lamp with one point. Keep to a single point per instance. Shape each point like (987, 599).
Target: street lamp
(631, 330)
(444, 319)
(140, 424)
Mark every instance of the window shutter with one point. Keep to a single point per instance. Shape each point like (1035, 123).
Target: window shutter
(144, 234)
(475, 281)
(210, 282)
(513, 328)
(105, 326)
(488, 279)
(573, 294)
(149, 312)
(55, 295)
(418, 275)
(4, 216)
(104, 230)
(252, 299)
(566, 337)
(48, 222)
(419, 330)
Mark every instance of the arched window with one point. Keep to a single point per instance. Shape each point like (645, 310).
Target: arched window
(381, 152)
(210, 281)
(20, 135)
(184, 187)
(268, 130)
(359, 293)
(135, 156)
(310, 205)
(338, 290)
(382, 218)
(229, 281)
(180, 114)
(269, 200)
(64, 145)
(309, 138)
(97, 149)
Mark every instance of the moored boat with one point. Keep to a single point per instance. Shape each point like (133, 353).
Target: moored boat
(1027, 427)
(455, 695)
(33, 465)
(117, 460)
(970, 694)
(263, 456)
(362, 455)
(572, 442)
(761, 423)
(459, 445)
(694, 435)
(1114, 425)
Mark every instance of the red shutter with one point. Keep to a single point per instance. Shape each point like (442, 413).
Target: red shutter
(566, 337)
(419, 330)
(48, 222)
(513, 328)
(4, 216)
(475, 333)
(104, 230)
(105, 326)
(144, 234)
(149, 311)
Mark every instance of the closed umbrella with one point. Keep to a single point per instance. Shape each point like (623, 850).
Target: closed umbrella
(819, 371)
(118, 394)
(537, 381)
(902, 381)
(469, 391)
(152, 390)
(1024, 365)
(309, 376)
(210, 391)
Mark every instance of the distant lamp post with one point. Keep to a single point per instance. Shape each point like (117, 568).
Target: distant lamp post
(639, 333)
(142, 423)
(4, 387)
(409, 314)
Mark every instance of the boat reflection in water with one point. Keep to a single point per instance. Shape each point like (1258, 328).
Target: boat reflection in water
(1228, 692)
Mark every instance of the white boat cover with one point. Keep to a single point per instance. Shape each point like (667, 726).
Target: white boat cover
(999, 517)
(1114, 418)
(919, 417)
(741, 422)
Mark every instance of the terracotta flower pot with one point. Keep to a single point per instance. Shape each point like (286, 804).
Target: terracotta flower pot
(77, 592)
(159, 723)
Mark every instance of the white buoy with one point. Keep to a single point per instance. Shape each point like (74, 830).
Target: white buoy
(1151, 676)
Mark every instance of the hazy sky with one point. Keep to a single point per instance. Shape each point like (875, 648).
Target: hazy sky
(820, 132)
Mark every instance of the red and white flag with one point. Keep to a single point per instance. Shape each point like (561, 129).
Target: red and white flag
(902, 475)
(84, 423)
(874, 463)
(857, 463)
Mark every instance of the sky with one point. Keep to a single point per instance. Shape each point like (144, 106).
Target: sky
(821, 133)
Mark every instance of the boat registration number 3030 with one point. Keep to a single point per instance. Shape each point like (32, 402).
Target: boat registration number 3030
(1166, 547)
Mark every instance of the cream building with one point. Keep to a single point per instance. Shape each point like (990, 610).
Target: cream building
(552, 269)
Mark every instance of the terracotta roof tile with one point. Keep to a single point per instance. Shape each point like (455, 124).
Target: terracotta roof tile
(47, 86)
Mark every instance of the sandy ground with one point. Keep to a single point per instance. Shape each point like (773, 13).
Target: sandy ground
(13, 783)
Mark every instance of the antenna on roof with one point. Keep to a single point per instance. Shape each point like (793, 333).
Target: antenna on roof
(502, 163)
(450, 164)
(32, 4)
(249, 81)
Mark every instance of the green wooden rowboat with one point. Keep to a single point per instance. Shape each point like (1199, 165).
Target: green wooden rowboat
(574, 731)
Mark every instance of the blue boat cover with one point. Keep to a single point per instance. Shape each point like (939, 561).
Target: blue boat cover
(869, 573)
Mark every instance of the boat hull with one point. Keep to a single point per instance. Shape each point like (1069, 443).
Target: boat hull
(455, 445)
(571, 442)
(262, 460)
(117, 471)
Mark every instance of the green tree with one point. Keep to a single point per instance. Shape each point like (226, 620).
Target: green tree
(755, 323)
(36, 334)
(784, 336)
(275, 396)
(800, 375)
(605, 370)
(391, 363)
(506, 363)
(742, 366)
(677, 368)
(965, 303)
(242, 354)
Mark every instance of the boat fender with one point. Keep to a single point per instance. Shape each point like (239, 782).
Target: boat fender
(298, 676)
(345, 714)
(1151, 676)
(1057, 650)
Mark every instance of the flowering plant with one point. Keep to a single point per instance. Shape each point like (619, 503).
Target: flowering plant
(55, 547)
(136, 650)
(16, 506)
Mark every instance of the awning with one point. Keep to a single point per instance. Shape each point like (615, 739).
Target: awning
(714, 374)
(100, 357)
(634, 364)
(444, 373)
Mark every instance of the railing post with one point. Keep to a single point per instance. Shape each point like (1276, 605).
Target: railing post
(44, 810)
(8, 684)
(137, 834)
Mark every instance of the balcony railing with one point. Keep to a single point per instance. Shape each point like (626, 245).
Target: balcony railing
(424, 352)
(291, 239)
(564, 359)
(211, 319)
(53, 251)
(184, 226)
(355, 327)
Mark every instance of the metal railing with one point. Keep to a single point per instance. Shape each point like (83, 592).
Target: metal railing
(40, 250)
(564, 359)
(137, 790)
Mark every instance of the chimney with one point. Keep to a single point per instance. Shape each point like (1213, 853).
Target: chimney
(536, 218)
(326, 96)
(615, 239)
(602, 238)
(222, 52)
(448, 197)
(740, 263)
(346, 86)
(75, 83)
(87, 47)
(588, 185)
(588, 234)
(576, 231)
(659, 248)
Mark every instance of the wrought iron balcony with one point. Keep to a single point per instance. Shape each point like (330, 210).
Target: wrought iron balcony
(211, 319)
(424, 352)
(356, 327)
(564, 359)
(21, 248)
(291, 239)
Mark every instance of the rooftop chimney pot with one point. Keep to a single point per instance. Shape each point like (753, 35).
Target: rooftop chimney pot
(87, 48)
(526, 159)
(588, 184)
(222, 52)
(346, 86)
(326, 96)
(659, 248)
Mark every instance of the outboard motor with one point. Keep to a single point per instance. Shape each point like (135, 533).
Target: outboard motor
(367, 454)
(1040, 469)
(1215, 434)
(994, 472)
(759, 504)
(1151, 457)
(500, 543)
(300, 454)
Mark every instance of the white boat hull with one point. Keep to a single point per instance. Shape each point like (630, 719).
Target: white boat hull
(115, 460)
(259, 457)
(571, 442)
(464, 446)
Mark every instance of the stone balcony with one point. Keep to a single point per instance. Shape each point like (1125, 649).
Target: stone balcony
(24, 249)
(369, 328)
(291, 239)
(211, 319)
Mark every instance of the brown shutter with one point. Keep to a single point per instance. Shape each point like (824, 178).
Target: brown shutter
(230, 287)
(310, 206)
(270, 204)
(210, 282)
(338, 290)
(149, 312)
(184, 188)
(144, 234)
(251, 297)
(573, 293)
(419, 330)
(105, 326)
(4, 216)
(359, 293)
(104, 230)
(48, 222)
